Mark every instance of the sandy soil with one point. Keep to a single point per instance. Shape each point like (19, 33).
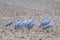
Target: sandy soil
(15, 9)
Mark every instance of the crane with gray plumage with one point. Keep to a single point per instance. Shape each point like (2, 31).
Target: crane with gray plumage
(8, 23)
(47, 26)
(46, 22)
(21, 23)
(30, 23)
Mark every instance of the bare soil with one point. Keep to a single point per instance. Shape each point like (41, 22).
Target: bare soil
(15, 9)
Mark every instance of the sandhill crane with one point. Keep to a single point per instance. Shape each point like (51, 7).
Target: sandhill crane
(20, 24)
(30, 23)
(8, 23)
(45, 22)
(47, 26)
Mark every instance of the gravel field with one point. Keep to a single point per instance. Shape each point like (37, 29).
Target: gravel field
(15, 9)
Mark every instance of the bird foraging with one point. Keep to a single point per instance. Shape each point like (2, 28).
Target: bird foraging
(30, 23)
(47, 26)
(46, 23)
(21, 23)
(8, 23)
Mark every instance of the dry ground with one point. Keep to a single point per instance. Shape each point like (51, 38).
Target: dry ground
(10, 9)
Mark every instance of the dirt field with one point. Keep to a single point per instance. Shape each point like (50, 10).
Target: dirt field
(15, 9)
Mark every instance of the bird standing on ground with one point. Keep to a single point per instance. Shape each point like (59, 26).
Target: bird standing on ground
(20, 24)
(48, 26)
(8, 23)
(30, 23)
(45, 21)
